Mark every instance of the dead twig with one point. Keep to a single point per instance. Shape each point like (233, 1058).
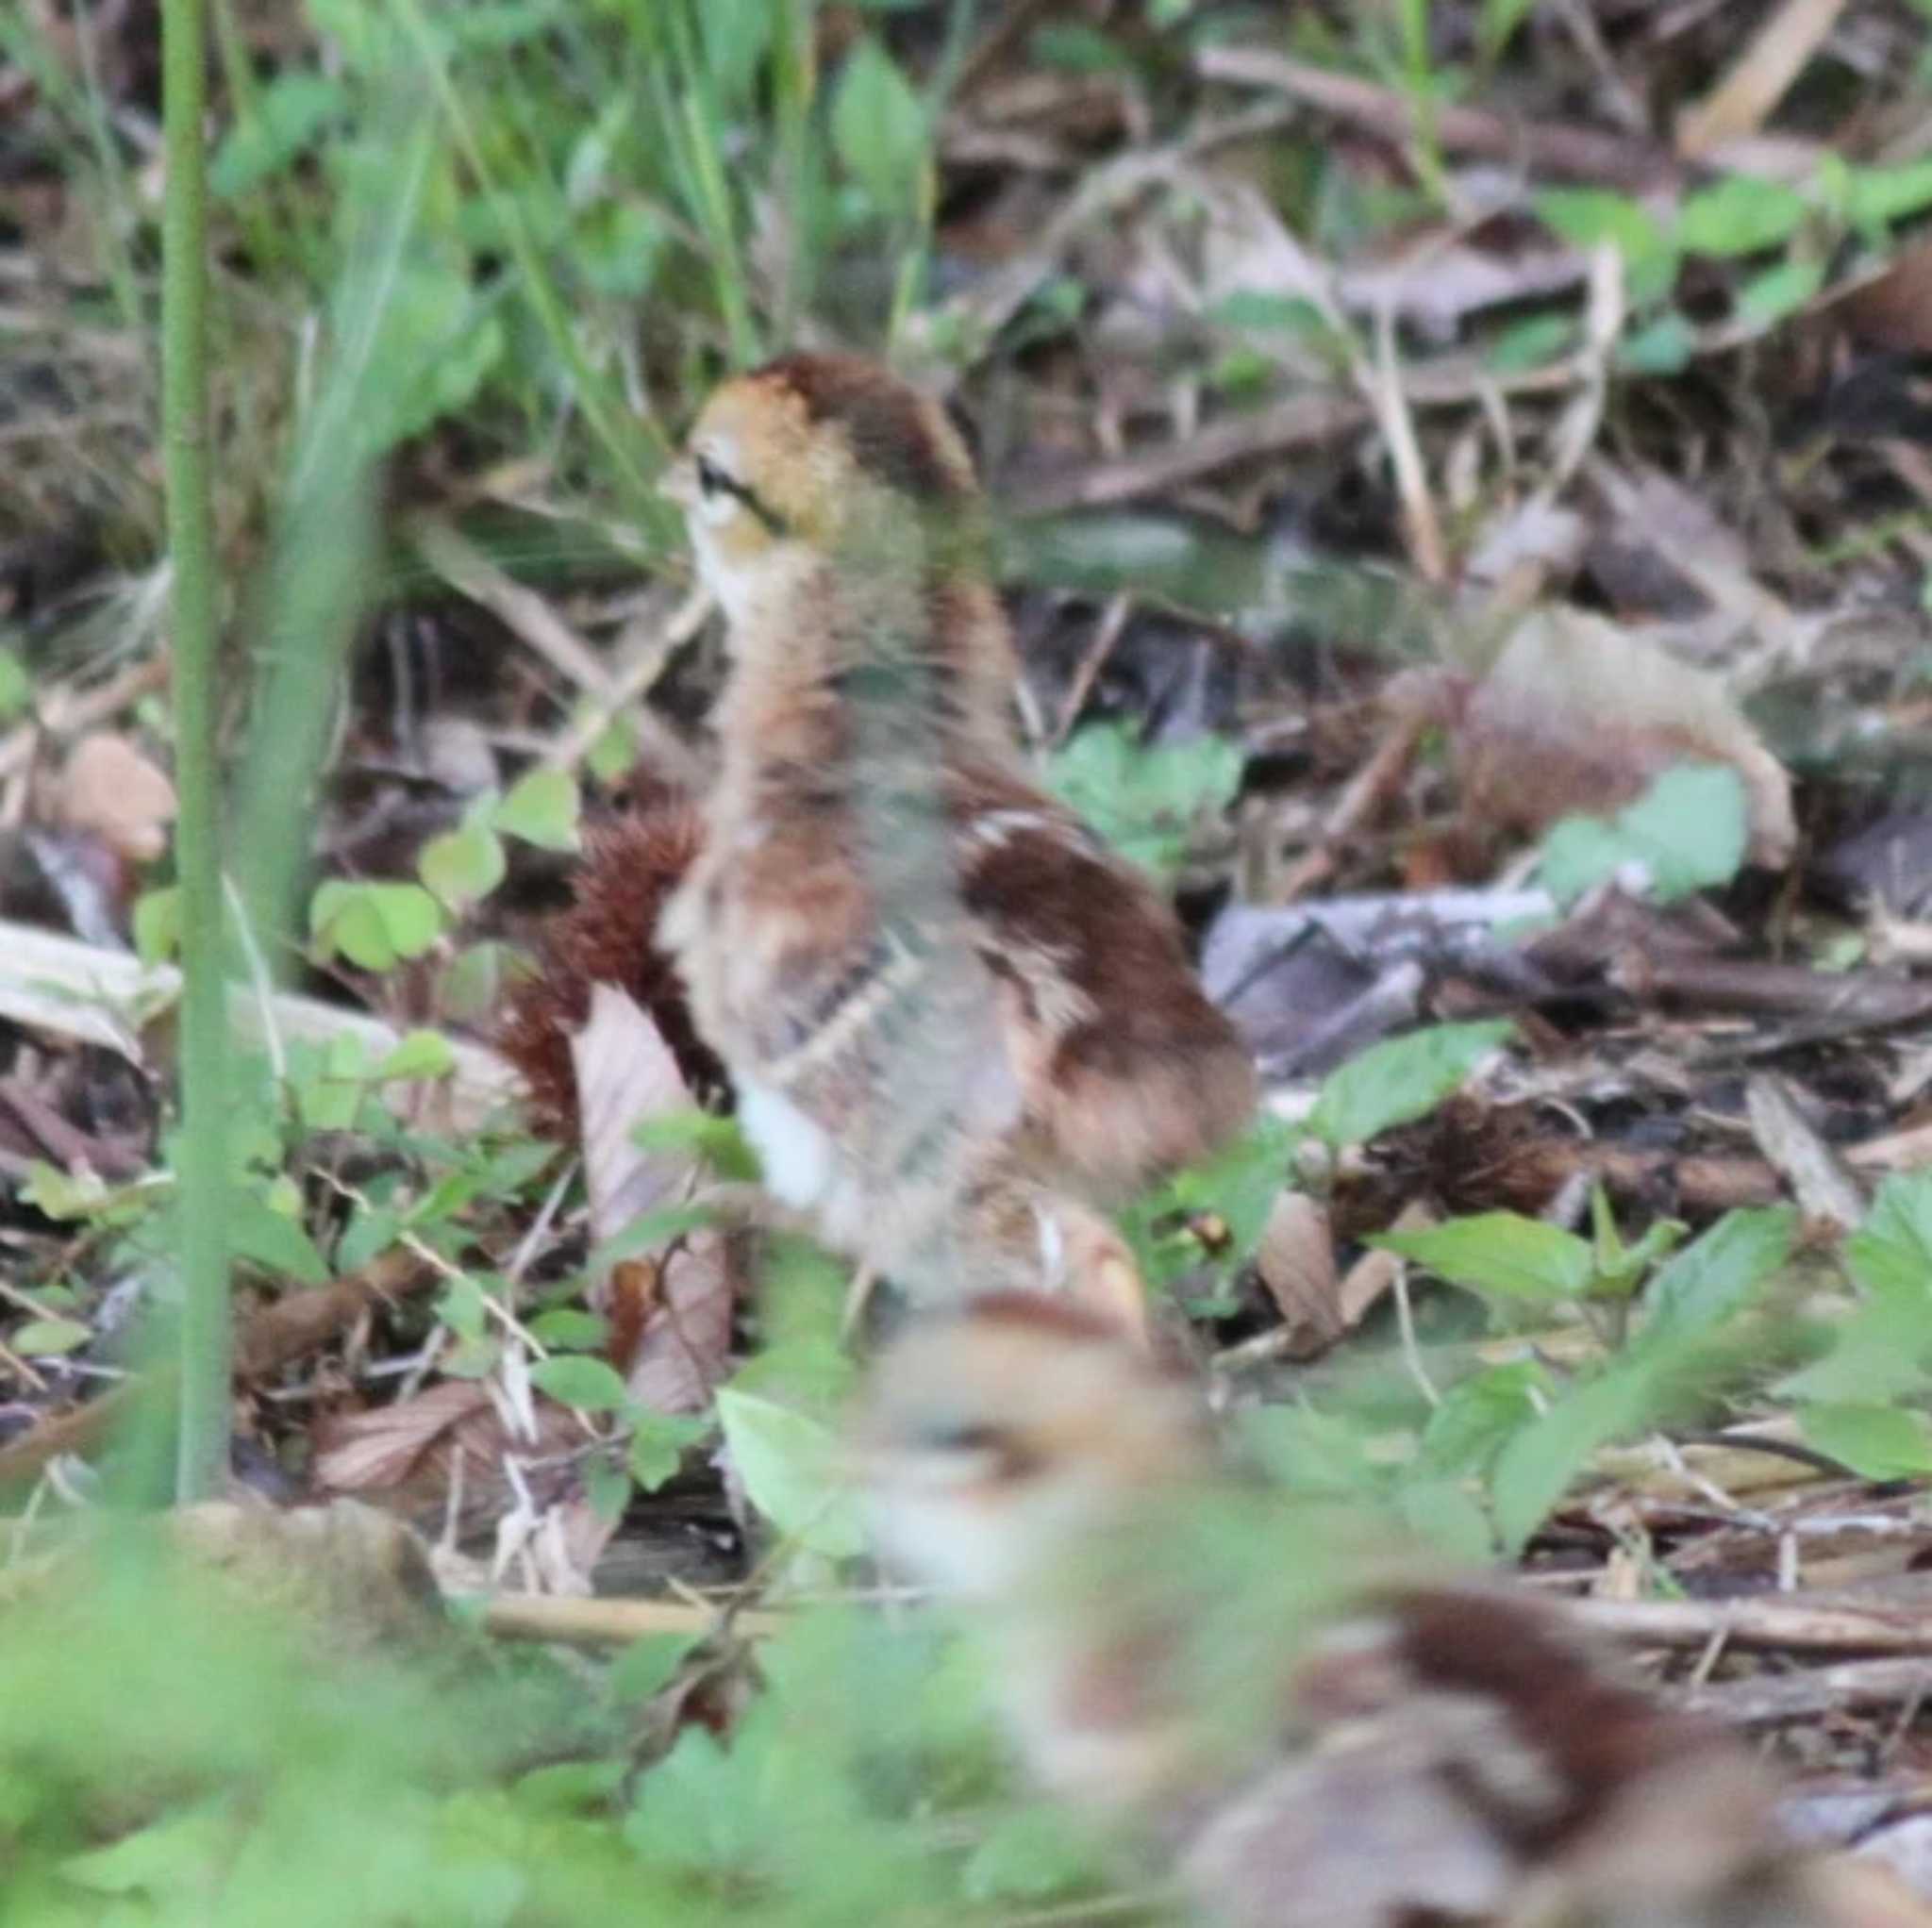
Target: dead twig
(1579, 152)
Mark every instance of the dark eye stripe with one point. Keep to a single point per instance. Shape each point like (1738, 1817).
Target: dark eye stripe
(714, 481)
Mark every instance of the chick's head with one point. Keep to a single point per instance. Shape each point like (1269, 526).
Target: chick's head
(816, 456)
(998, 1438)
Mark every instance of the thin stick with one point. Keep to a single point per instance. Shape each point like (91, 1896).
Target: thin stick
(207, 1335)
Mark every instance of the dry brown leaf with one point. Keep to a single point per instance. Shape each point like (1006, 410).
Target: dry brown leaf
(374, 1451)
(627, 1073)
(113, 790)
(1578, 715)
(1295, 1261)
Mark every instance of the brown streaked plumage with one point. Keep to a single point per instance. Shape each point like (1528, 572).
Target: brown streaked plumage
(1364, 1744)
(955, 1023)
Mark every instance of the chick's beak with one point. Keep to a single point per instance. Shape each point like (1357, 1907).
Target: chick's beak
(679, 483)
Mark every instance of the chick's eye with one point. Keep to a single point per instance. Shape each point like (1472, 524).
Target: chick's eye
(990, 1452)
(712, 479)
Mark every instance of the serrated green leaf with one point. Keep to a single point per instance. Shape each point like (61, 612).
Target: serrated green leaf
(1146, 801)
(1477, 1414)
(1500, 1254)
(1890, 1253)
(1716, 1278)
(1535, 1465)
(1880, 1442)
(463, 865)
(1399, 1080)
(541, 809)
(789, 1464)
(576, 1379)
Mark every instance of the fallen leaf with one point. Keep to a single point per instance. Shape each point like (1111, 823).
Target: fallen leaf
(109, 787)
(1578, 716)
(626, 1072)
(1295, 1261)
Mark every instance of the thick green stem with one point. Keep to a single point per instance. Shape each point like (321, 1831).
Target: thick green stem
(207, 1336)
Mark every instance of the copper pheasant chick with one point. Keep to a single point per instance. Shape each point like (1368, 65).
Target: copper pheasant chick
(954, 1022)
(1299, 1723)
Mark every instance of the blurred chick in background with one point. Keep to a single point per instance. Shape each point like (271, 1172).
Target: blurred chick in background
(1306, 1728)
(956, 1025)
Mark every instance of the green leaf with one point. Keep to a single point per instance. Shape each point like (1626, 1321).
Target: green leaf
(40, 1338)
(1535, 1468)
(463, 865)
(1479, 1414)
(369, 1233)
(1663, 346)
(541, 809)
(570, 1329)
(648, 1665)
(879, 129)
(373, 925)
(1689, 830)
(1877, 196)
(1259, 312)
(1890, 1253)
(16, 685)
(464, 1306)
(1587, 217)
(1030, 1855)
(1145, 801)
(1766, 299)
(1738, 215)
(181, 1856)
(576, 1379)
(1399, 1080)
(608, 1490)
(1500, 1254)
(1714, 1278)
(418, 1055)
(1530, 342)
(1444, 1514)
(265, 1236)
(657, 1445)
(789, 1464)
(62, 1196)
(288, 116)
(157, 925)
(1876, 1441)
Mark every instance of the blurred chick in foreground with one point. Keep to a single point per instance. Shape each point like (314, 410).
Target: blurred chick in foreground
(1306, 1729)
(955, 1023)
